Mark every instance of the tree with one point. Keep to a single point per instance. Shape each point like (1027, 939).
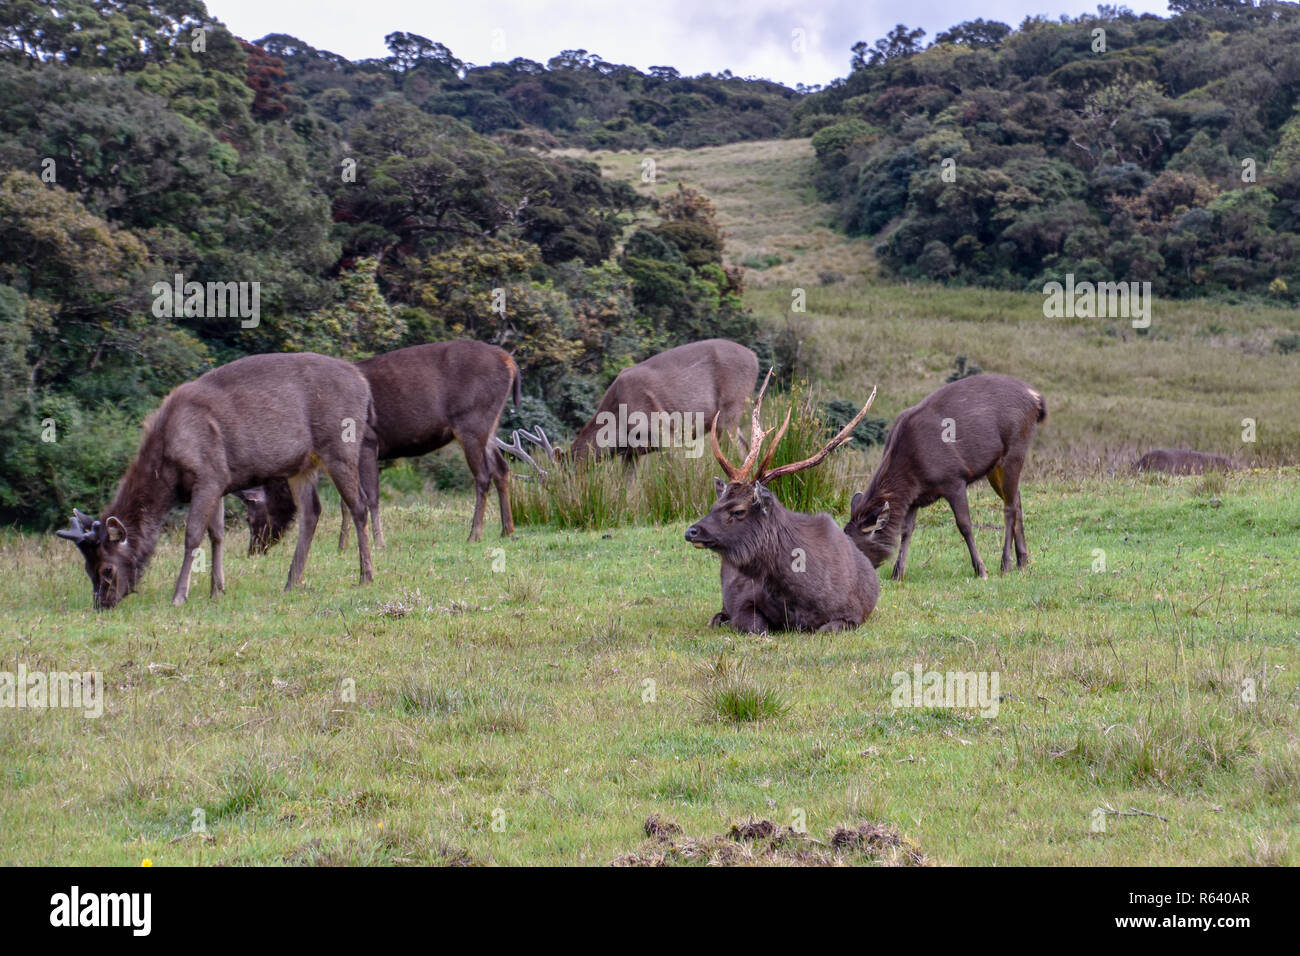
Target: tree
(898, 42)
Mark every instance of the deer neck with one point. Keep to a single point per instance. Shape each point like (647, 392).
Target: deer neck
(145, 496)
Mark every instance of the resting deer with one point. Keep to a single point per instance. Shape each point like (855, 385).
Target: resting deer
(781, 569)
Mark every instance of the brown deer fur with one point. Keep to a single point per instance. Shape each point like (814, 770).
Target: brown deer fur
(782, 570)
(426, 396)
(259, 418)
(991, 420)
(710, 377)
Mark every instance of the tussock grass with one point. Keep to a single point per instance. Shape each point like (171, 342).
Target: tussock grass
(669, 486)
(730, 694)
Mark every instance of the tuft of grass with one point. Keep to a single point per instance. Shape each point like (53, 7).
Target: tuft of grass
(242, 787)
(729, 694)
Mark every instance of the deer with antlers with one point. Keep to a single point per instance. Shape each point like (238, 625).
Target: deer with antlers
(781, 569)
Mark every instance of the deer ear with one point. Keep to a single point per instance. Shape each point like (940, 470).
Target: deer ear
(883, 518)
(857, 497)
(719, 486)
(116, 530)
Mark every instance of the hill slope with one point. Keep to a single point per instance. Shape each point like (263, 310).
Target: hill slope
(1113, 390)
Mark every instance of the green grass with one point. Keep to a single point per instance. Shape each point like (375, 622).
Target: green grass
(671, 485)
(568, 697)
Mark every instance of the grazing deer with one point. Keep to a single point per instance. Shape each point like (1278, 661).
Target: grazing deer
(976, 427)
(426, 396)
(781, 569)
(1181, 461)
(668, 397)
(259, 418)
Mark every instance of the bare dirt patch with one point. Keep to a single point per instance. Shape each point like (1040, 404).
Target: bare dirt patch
(764, 843)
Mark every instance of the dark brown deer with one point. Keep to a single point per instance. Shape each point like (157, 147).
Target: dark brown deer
(271, 510)
(674, 393)
(781, 569)
(973, 428)
(1181, 461)
(426, 396)
(259, 418)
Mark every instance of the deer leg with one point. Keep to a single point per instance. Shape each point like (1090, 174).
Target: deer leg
(203, 502)
(1015, 515)
(343, 525)
(476, 458)
(961, 512)
(909, 525)
(837, 626)
(501, 478)
(304, 495)
(368, 473)
(748, 619)
(217, 535)
(998, 479)
(348, 482)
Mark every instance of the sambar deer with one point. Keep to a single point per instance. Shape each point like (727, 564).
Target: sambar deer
(668, 397)
(782, 569)
(426, 396)
(973, 428)
(258, 418)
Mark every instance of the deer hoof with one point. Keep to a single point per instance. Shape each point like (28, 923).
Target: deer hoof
(719, 619)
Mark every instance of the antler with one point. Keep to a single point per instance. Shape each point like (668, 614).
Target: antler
(756, 437)
(517, 449)
(538, 437)
(794, 466)
(82, 528)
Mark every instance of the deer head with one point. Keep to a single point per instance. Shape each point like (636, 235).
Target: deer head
(745, 500)
(106, 548)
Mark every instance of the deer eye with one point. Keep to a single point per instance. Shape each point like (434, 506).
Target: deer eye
(738, 514)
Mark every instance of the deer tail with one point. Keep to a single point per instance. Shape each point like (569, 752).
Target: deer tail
(1041, 403)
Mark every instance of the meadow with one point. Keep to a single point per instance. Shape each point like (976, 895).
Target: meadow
(538, 700)
(558, 697)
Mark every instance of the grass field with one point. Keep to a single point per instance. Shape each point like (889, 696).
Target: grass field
(511, 688)
(539, 700)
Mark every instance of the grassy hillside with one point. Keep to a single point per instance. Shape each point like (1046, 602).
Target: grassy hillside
(522, 692)
(1189, 380)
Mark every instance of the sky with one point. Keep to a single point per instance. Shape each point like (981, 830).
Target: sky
(784, 40)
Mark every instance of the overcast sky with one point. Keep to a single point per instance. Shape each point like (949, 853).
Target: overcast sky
(749, 37)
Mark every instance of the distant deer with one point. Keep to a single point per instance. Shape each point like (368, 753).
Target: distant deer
(1181, 461)
(426, 396)
(259, 418)
(689, 384)
(976, 427)
(782, 570)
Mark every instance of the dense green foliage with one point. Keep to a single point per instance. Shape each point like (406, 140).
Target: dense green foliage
(1111, 146)
(576, 97)
(140, 141)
